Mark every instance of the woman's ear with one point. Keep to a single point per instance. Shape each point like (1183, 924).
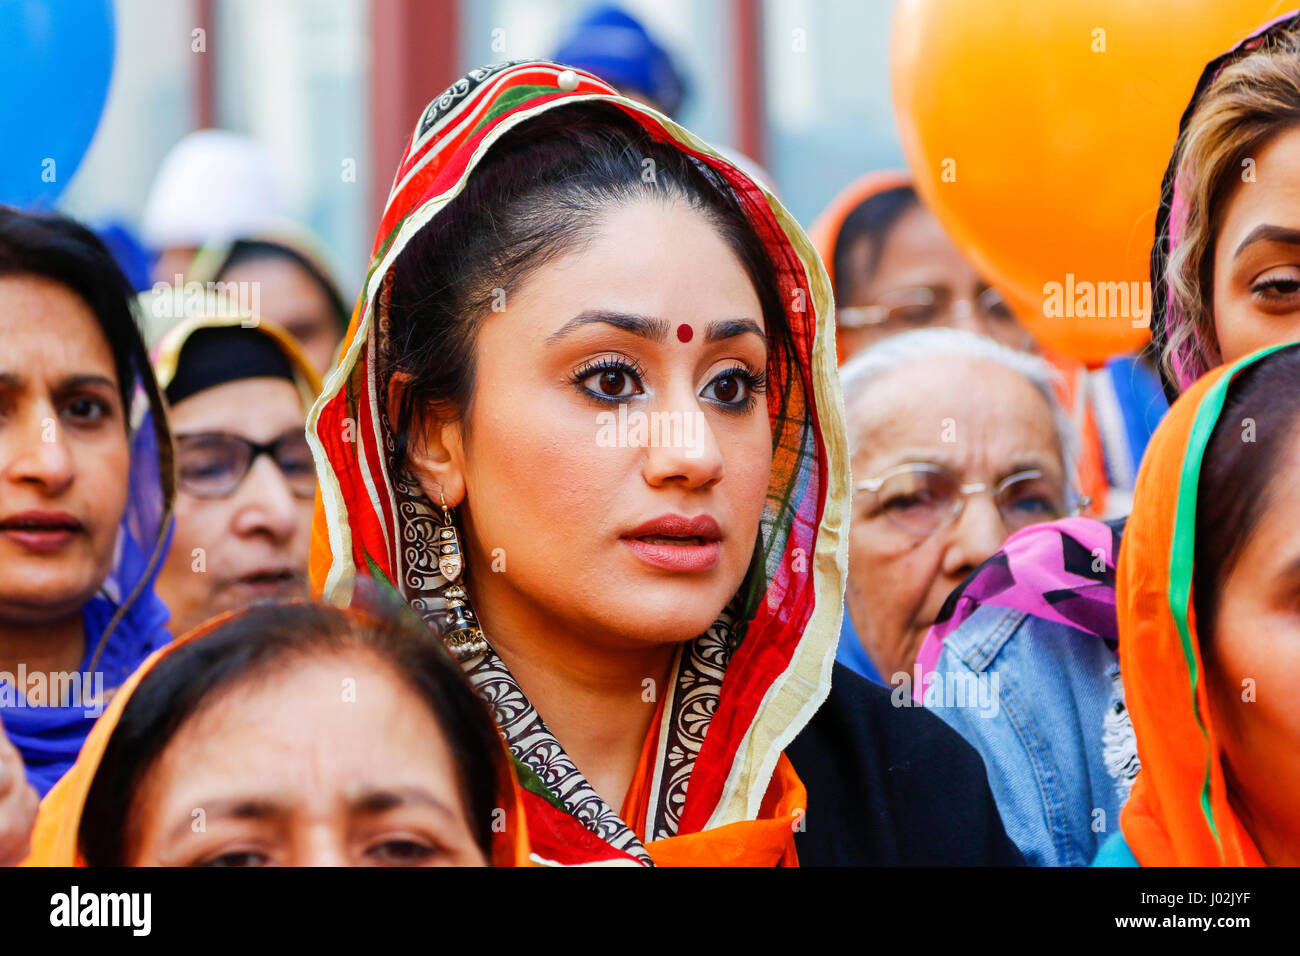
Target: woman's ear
(434, 450)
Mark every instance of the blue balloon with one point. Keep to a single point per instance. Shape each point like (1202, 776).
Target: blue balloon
(56, 59)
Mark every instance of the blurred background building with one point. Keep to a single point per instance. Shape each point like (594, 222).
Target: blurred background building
(332, 89)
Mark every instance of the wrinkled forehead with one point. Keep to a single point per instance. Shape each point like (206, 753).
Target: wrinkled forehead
(944, 409)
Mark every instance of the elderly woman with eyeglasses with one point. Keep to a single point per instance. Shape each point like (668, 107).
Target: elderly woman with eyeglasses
(238, 392)
(894, 270)
(956, 443)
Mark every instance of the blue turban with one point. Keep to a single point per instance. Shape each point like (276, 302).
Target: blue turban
(617, 48)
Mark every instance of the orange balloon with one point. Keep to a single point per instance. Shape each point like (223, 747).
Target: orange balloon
(1038, 132)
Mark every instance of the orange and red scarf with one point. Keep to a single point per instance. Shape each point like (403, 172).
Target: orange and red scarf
(764, 667)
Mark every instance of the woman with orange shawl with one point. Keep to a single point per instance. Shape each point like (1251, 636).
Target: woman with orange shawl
(1206, 601)
(590, 390)
(291, 734)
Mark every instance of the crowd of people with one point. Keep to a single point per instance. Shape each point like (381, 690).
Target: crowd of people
(624, 521)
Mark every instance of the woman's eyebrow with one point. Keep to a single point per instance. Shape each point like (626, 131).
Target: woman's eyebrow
(73, 382)
(240, 808)
(729, 328)
(1269, 233)
(918, 456)
(652, 328)
(643, 325)
(381, 799)
(69, 383)
(1027, 462)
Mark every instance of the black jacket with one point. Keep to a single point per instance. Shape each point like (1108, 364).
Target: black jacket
(892, 786)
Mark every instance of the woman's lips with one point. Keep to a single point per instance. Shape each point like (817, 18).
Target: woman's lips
(682, 556)
(42, 532)
(268, 583)
(677, 543)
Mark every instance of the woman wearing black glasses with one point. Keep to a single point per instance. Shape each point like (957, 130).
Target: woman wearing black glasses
(239, 391)
(956, 442)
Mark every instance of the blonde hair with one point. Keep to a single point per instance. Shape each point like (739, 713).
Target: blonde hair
(1249, 102)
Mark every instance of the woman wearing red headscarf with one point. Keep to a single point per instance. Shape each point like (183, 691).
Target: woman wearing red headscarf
(587, 422)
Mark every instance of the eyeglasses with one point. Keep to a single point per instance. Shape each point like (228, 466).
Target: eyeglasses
(918, 307)
(921, 498)
(214, 464)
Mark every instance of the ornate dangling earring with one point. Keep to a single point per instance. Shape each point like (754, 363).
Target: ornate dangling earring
(463, 638)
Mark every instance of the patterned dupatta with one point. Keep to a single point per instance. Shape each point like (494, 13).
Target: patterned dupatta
(1062, 571)
(719, 786)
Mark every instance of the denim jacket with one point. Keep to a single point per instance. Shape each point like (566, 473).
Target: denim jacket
(1057, 741)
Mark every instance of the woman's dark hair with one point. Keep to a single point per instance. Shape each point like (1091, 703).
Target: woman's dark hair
(57, 248)
(873, 218)
(1241, 462)
(246, 251)
(258, 643)
(539, 193)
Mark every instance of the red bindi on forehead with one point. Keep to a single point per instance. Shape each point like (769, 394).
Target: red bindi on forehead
(684, 332)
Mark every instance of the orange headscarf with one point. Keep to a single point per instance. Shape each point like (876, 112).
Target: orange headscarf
(825, 231)
(1178, 813)
(54, 839)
